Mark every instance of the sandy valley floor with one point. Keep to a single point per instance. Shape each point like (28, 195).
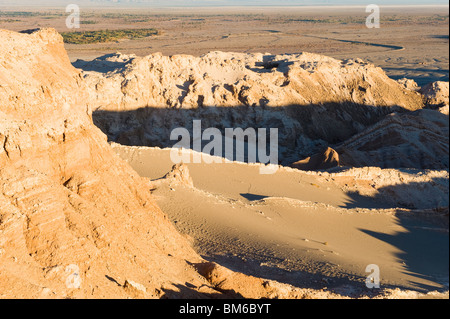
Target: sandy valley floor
(301, 228)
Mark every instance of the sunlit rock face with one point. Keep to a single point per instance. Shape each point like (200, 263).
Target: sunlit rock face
(72, 214)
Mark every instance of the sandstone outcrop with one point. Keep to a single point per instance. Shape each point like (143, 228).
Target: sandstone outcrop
(127, 82)
(179, 175)
(68, 204)
(414, 140)
(436, 94)
(321, 161)
(77, 222)
(251, 287)
(313, 100)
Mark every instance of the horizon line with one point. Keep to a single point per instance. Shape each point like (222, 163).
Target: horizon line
(146, 5)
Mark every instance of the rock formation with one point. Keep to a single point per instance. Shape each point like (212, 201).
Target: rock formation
(313, 100)
(417, 139)
(321, 161)
(251, 287)
(179, 175)
(122, 82)
(409, 84)
(67, 202)
(436, 94)
(413, 140)
(75, 220)
(410, 188)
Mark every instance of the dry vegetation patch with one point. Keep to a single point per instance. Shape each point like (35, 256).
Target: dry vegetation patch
(102, 36)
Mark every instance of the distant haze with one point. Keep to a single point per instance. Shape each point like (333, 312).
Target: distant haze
(197, 3)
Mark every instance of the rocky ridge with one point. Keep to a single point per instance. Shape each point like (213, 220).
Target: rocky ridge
(315, 102)
(75, 220)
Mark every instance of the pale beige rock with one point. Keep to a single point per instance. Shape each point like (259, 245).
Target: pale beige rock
(65, 197)
(233, 79)
(436, 94)
(409, 84)
(180, 175)
(241, 285)
(414, 140)
(314, 101)
(135, 289)
(444, 110)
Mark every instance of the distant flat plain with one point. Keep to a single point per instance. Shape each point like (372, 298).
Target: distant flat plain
(412, 41)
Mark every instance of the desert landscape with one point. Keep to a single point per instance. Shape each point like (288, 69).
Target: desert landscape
(93, 206)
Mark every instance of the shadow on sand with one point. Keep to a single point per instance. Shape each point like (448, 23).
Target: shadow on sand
(302, 130)
(423, 247)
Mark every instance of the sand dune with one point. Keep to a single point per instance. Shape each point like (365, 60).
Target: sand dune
(305, 228)
(75, 220)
